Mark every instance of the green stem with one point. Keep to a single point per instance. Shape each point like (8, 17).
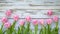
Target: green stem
(1, 26)
(1, 32)
(57, 25)
(49, 30)
(41, 31)
(36, 29)
(21, 29)
(28, 27)
(44, 30)
(27, 30)
(57, 28)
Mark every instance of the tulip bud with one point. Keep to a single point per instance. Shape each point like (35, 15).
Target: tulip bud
(49, 21)
(41, 22)
(22, 23)
(16, 17)
(50, 12)
(35, 22)
(55, 18)
(4, 19)
(7, 25)
(8, 12)
(28, 18)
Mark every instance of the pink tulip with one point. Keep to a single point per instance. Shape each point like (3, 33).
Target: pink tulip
(16, 17)
(22, 22)
(7, 25)
(35, 22)
(28, 18)
(8, 12)
(49, 21)
(41, 22)
(50, 12)
(4, 19)
(55, 18)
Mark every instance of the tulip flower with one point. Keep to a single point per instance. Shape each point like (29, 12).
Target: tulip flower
(43, 28)
(35, 22)
(4, 20)
(49, 21)
(7, 25)
(8, 12)
(21, 29)
(16, 17)
(28, 19)
(55, 30)
(49, 12)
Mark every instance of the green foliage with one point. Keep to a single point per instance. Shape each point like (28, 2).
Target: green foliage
(26, 30)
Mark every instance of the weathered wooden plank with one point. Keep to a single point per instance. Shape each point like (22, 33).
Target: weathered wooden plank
(27, 7)
(32, 13)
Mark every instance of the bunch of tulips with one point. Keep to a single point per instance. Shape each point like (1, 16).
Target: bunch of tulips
(24, 25)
